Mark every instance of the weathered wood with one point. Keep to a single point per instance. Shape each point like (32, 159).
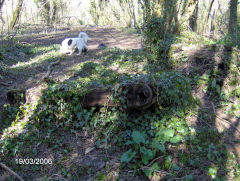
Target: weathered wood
(137, 96)
(98, 97)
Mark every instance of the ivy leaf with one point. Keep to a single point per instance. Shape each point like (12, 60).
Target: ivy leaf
(214, 83)
(165, 134)
(79, 116)
(147, 154)
(127, 156)
(176, 139)
(168, 162)
(159, 146)
(138, 137)
(175, 167)
(148, 173)
(168, 133)
(212, 171)
(155, 167)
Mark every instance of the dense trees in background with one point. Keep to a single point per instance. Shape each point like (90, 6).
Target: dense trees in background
(160, 21)
(201, 16)
(48, 10)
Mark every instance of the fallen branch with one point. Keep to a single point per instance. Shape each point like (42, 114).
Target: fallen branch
(5, 84)
(11, 172)
(226, 121)
(45, 78)
(202, 120)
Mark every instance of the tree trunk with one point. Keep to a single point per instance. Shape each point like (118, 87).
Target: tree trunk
(170, 16)
(46, 11)
(147, 11)
(188, 13)
(209, 11)
(1, 4)
(233, 16)
(16, 14)
(193, 19)
(54, 11)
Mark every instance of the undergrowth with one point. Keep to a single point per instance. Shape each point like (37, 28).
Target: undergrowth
(156, 142)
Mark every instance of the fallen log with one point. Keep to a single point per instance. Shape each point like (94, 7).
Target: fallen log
(98, 97)
(136, 96)
(16, 96)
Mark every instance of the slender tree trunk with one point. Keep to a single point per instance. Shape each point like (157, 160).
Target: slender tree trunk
(193, 19)
(210, 9)
(147, 11)
(54, 11)
(233, 16)
(16, 14)
(170, 16)
(1, 4)
(46, 11)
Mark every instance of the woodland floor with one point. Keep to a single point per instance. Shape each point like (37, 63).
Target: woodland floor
(29, 77)
(85, 161)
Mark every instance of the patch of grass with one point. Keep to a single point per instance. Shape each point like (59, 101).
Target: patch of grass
(192, 38)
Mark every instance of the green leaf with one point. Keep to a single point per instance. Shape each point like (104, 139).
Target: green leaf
(212, 171)
(79, 116)
(168, 133)
(175, 167)
(138, 137)
(155, 167)
(176, 139)
(159, 146)
(148, 173)
(214, 83)
(168, 162)
(147, 154)
(127, 156)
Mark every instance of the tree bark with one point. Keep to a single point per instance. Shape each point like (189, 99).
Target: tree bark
(137, 96)
(1, 4)
(16, 14)
(210, 9)
(46, 12)
(193, 19)
(233, 16)
(189, 12)
(54, 11)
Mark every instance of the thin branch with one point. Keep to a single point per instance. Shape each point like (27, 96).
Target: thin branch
(202, 120)
(226, 121)
(11, 172)
(157, 171)
(220, 9)
(45, 78)
(211, 16)
(5, 84)
(154, 160)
